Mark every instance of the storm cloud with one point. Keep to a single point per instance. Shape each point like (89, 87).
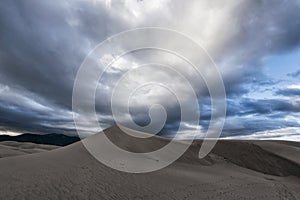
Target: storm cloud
(294, 74)
(289, 92)
(43, 44)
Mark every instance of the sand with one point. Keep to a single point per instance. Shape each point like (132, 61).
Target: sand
(235, 170)
(9, 148)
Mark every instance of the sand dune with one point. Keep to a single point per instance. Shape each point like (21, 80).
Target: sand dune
(232, 171)
(10, 148)
(267, 157)
(288, 150)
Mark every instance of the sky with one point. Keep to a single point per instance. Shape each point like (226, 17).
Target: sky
(255, 45)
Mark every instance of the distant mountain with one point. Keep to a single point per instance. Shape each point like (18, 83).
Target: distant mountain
(50, 139)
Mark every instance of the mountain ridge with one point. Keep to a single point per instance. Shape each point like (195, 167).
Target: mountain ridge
(49, 139)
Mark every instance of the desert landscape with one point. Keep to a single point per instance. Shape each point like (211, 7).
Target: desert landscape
(234, 170)
(149, 100)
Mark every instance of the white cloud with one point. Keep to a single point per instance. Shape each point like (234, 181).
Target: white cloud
(289, 133)
(294, 86)
(11, 133)
(191, 132)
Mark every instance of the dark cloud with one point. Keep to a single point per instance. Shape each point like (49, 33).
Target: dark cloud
(288, 92)
(294, 74)
(44, 43)
(268, 106)
(42, 46)
(266, 28)
(19, 119)
(246, 116)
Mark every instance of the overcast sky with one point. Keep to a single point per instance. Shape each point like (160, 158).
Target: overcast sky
(255, 44)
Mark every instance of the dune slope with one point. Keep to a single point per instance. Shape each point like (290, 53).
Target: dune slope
(10, 148)
(72, 173)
